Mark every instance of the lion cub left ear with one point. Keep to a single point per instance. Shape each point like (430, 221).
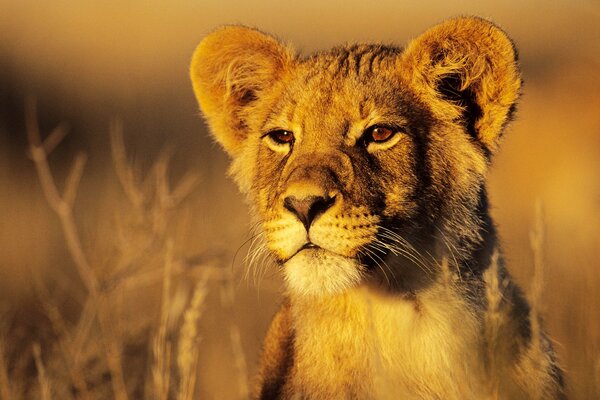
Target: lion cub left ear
(467, 70)
(231, 69)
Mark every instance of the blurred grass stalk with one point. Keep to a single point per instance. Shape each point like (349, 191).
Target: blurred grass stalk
(139, 243)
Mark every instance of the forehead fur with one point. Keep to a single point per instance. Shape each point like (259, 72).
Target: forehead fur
(358, 60)
(341, 86)
(463, 71)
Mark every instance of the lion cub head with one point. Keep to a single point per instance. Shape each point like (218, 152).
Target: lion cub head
(361, 159)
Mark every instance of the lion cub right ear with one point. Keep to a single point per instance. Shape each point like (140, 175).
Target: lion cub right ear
(231, 68)
(466, 68)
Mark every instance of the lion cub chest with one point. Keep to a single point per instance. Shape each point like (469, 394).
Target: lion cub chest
(366, 345)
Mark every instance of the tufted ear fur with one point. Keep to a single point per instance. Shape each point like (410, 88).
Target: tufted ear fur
(466, 68)
(230, 69)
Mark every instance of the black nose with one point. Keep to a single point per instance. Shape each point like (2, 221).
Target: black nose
(308, 208)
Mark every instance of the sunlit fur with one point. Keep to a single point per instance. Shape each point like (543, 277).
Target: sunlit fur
(385, 246)
(405, 349)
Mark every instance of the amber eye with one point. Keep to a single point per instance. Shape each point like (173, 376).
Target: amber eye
(281, 136)
(379, 134)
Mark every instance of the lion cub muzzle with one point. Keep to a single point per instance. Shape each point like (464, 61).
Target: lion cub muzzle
(310, 193)
(316, 231)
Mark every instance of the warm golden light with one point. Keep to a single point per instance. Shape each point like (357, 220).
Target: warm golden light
(152, 200)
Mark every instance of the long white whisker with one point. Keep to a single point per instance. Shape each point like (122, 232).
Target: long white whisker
(399, 246)
(399, 239)
(256, 248)
(379, 263)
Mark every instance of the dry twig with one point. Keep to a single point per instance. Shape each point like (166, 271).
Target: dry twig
(61, 204)
(494, 289)
(152, 199)
(124, 171)
(41, 371)
(5, 387)
(187, 352)
(536, 237)
(228, 300)
(161, 370)
(63, 207)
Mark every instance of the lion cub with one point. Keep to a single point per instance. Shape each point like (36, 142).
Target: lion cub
(366, 166)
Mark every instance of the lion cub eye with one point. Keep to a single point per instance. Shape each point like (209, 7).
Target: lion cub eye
(279, 140)
(380, 134)
(380, 137)
(282, 137)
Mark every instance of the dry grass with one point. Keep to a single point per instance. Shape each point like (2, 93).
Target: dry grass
(101, 352)
(5, 387)
(494, 289)
(188, 346)
(41, 373)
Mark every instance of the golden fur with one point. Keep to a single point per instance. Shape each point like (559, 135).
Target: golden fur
(366, 167)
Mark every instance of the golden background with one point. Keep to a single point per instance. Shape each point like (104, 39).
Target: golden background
(87, 63)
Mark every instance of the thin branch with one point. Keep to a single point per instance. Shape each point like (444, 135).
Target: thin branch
(5, 386)
(123, 169)
(240, 361)
(84, 326)
(187, 354)
(39, 157)
(55, 137)
(64, 337)
(228, 300)
(58, 203)
(171, 198)
(74, 178)
(113, 348)
(536, 237)
(161, 169)
(187, 184)
(161, 346)
(62, 206)
(41, 371)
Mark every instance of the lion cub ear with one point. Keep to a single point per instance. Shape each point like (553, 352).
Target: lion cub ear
(231, 68)
(466, 69)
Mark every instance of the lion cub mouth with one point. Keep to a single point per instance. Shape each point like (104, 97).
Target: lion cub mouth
(306, 246)
(310, 251)
(322, 258)
(315, 271)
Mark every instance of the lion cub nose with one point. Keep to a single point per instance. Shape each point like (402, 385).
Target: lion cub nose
(307, 208)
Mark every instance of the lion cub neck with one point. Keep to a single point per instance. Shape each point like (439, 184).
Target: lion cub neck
(368, 342)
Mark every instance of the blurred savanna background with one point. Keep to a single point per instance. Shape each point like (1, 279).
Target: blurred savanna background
(123, 245)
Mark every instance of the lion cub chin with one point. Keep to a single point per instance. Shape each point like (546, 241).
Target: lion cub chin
(365, 166)
(318, 272)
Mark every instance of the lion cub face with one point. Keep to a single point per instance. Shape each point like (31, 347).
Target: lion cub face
(336, 157)
(354, 155)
